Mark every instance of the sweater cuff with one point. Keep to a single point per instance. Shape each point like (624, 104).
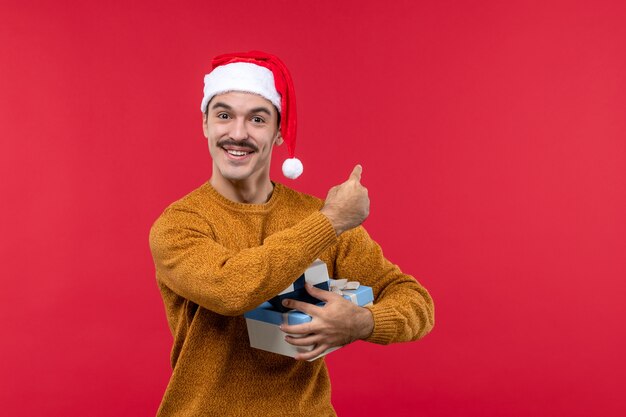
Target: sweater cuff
(384, 324)
(318, 232)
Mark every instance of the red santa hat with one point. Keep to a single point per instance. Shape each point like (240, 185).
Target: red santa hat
(263, 74)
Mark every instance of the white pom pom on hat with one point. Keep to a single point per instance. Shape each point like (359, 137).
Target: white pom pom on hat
(263, 74)
(292, 168)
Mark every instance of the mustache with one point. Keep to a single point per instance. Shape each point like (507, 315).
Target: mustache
(242, 144)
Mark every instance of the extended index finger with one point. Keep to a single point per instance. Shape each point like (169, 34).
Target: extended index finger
(356, 172)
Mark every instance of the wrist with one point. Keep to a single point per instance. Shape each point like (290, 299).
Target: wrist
(366, 323)
(333, 221)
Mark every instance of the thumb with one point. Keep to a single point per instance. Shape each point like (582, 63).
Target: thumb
(356, 172)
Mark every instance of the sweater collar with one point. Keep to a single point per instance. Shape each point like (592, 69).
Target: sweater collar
(212, 192)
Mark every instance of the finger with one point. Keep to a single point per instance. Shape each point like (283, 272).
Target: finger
(303, 341)
(304, 328)
(310, 355)
(319, 293)
(356, 172)
(306, 308)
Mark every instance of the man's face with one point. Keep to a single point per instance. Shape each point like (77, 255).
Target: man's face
(241, 129)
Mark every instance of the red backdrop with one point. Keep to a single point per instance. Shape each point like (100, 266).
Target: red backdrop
(492, 139)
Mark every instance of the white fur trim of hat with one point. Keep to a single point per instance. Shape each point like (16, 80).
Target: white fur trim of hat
(240, 76)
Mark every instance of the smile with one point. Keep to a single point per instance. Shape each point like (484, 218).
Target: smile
(237, 154)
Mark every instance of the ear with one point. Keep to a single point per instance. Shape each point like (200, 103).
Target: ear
(205, 127)
(279, 138)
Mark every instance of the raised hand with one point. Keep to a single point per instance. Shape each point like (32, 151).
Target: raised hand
(347, 205)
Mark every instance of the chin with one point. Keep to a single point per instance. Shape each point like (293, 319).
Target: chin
(235, 174)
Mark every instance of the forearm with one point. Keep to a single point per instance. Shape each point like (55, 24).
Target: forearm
(193, 265)
(403, 314)
(403, 309)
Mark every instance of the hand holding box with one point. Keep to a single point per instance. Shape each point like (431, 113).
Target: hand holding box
(263, 322)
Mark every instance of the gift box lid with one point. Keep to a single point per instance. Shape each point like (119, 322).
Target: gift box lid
(316, 273)
(267, 313)
(361, 296)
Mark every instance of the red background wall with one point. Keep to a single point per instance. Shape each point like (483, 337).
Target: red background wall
(492, 139)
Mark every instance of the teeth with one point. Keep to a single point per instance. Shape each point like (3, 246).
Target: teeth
(236, 153)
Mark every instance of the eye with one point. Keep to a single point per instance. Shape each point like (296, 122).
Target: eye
(223, 116)
(257, 119)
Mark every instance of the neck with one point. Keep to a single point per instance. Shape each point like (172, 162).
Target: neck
(247, 191)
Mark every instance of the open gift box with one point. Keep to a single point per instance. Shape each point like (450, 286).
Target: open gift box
(263, 323)
(316, 275)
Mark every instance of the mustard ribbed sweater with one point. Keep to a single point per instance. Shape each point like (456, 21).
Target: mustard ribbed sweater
(216, 259)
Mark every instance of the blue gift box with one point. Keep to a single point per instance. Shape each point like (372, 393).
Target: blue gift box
(263, 322)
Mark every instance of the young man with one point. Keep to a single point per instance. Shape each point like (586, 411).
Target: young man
(240, 239)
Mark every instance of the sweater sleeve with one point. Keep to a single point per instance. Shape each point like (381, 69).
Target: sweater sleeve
(403, 309)
(191, 263)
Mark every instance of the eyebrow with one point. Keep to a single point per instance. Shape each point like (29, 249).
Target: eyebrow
(220, 104)
(254, 110)
(261, 110)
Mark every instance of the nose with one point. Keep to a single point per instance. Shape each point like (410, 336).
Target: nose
(239, 131)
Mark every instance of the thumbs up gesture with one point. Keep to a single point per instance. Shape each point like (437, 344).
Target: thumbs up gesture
(347, 205)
